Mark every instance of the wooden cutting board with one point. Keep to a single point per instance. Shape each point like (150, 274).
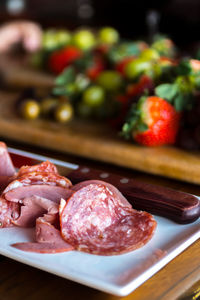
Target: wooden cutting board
(96, 141)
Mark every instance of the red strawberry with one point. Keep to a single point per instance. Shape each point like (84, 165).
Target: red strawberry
(153, 122)
(166, 61)
(117, 121)
(136, 89)
(195, 64)
(96, 68)
(120, 67)
(60, 59)
(102, 49)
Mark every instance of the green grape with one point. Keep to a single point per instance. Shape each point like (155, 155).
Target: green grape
(136, 67)
(84, 39)
(30, 109)
(108, 35)
(94, 96)
(110, 80)
(64, 113)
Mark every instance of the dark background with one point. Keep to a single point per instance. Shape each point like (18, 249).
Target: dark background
(179, 19)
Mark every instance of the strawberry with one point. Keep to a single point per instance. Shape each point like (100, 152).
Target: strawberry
(152, 122)
(60, 59)
(118, 120)
(195, 65)
(95, 68)
(120, 67)
(138, 88)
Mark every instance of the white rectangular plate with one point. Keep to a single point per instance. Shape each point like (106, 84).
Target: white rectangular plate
(118, 275)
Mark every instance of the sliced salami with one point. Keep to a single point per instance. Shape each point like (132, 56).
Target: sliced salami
(38, 178)
(44, 173)
(45, 166)
(96, 220)
(113, 190)
(9, 211)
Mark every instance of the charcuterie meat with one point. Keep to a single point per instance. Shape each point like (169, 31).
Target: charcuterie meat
(45, 166)
(6, 165)
(91, 216)
(95, 220)
(44, 173)
(54, 193)
(9, 211)
(4, 181)
(48, 248)
(48, 239)
(34, 207)
(116, 193)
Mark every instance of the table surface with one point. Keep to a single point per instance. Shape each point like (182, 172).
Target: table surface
(177, 280)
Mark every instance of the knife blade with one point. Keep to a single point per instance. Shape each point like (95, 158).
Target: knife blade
(178, 206)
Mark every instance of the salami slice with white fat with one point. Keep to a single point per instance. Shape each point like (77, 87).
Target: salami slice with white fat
(116, 193)
(45, 166)
(96, 220)
(9, 211)
(44, 173)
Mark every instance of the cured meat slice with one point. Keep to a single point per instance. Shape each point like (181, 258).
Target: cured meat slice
(48, 248)
(8, 211)
(33, 208)
(48, 239)
(96, 220)
(6, 165)
(46, 232)
(38, 178)
(54, 193)
(116, 193)
(4, 181)
(45, 166)
(44, 173)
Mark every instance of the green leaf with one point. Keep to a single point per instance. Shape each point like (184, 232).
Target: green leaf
(167, 91)
(179, 102)
(58, 91)
(67, 76)
(122, 50)
(197, 82)
(84, 62)
(184, 68)
(142, 127)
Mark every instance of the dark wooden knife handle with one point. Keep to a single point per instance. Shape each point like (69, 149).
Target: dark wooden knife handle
(178, 206)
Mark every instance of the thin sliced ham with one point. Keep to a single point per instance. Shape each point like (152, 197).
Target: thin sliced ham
(48, 239)
(54, 193)
(47, 248)
(34, 207)
(6, 165)
(4, 181)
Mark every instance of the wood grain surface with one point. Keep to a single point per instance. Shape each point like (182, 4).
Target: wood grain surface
(97, 141)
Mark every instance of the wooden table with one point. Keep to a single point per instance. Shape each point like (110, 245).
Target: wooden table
(19, 281)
